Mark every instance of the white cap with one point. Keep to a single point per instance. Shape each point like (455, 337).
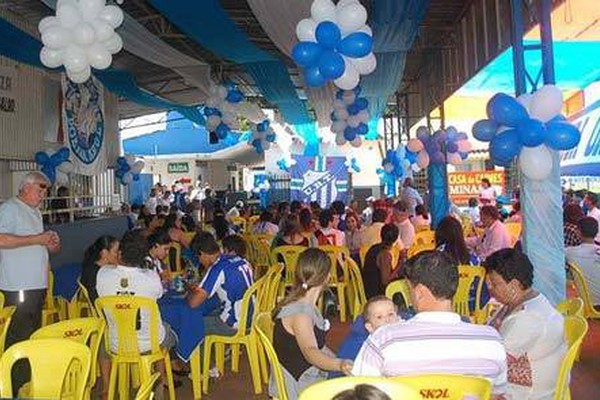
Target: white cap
(239, 204)
(370, 198)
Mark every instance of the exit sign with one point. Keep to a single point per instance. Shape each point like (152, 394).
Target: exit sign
(178, 168)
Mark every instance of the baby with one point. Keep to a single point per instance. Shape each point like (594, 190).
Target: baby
(379, 311)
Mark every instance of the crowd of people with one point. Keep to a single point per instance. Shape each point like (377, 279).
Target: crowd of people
(519, 350)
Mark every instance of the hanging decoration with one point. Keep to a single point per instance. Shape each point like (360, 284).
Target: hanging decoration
(527, 127)
(444, 146)
(128, 169)
(352, 164)
(221, 110)
(350, 117)
(261, 188)
(55, 164)
(262, 136)
(286, 163)
(80, 37)
(335, 44)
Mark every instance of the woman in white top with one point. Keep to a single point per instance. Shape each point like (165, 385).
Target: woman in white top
(487, 194)
(265, 225)
(532, 329)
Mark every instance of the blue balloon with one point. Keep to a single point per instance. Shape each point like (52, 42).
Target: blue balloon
(136, 177)
(362, 129)
(261, 127)
(222, 131)
(531, 132)
(437, 158)
(62, 154)
(357, 90)
(349, 134)
(484, 130)
(50, 172)
(452, 133)
(41, 158)
(353, 109)
(306, 54)
(356, 45)
(362, 103)
(464, 156)
(411, 157)
(505, 146)
(270, 137)
(119, 173)
(562, 135)
(506, 110)
(558, 118)
(331, 65)
(452, 147)
(461, 136)
(313, 77)
(121, 161)
(234, 96)
(328, 34)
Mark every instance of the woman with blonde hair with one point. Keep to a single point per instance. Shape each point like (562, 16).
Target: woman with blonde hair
(300, 329)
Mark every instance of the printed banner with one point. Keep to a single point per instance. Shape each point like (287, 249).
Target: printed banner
(320, 179)
(8, 91)
(83, 125)
(464, 185)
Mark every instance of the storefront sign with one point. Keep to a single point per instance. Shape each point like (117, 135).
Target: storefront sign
(178, 168)
(7, 90)
(464, 185)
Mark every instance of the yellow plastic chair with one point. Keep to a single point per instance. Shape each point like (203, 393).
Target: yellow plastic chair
(51, 311)
(241, 222)
(582, 288)
(514, 230)
(356, 289)
(328, 389)
(571, 307)
(575, 330)
(1, 300)
(425, 237)
(6, 314)
(57, 366)
(123, 312)
(399, 286)
(364, 249)
(259, 247)
(177, 268)
(264, 330)
(290, 255)
(244, 336)
(267, 294)
(145, 390)
(87, 331)
(417, 248)
(81, 305)
(251, 222)
(338, 256)
(422, 228)
(460, 302)
(451, 387)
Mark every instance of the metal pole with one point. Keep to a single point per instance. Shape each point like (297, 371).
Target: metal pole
(547, 47)
(518, 51)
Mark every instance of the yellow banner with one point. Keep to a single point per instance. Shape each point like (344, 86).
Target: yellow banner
(464, 185)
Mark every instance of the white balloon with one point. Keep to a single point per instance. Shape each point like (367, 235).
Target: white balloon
(130, 159)
(114, 44)
(415, 168)
(357, 142)
(102, 29)
(128, 178)
(66, 167)
(56, 37)
(84, 34)
(323, 10)
(68, 15)
(340, 140)
(351, 17)
(112, 15)
(546, 103)
(75, 59)
(46, 23)
(364, 65)
(51, 58)
(91, 9)
(80, 76)
(348, 97)
(138, 166)
(353, 121)
(222, 92)
(98, 57)
(525, 100)
(306, 30)
(343, 3)
(61, 177)
(364, 116)
(365, 28)
(338, 126)
(349, 80)
(536, 162)
(341, 114)
(338, 104)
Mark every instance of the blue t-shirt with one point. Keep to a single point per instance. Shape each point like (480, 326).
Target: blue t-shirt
(228, 279)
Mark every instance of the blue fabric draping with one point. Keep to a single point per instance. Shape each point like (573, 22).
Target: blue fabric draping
(439, 204)
(209, 25)
(65, 280)
(20, 46)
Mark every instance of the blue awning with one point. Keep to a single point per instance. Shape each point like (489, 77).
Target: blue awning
(584, 160)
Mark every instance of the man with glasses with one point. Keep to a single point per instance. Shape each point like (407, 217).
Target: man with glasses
(24, 264)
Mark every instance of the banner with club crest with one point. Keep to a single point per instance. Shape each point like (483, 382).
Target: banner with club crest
(320, 179)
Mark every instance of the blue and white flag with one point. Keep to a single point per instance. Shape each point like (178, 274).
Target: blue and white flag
(320, 179)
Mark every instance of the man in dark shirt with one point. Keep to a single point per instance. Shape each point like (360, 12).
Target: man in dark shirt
(378, 270)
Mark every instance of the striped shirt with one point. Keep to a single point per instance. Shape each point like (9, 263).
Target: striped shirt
(434, 342)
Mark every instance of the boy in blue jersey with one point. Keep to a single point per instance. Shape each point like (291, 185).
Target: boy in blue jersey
(227, 278)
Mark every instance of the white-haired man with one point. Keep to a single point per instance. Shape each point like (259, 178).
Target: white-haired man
(24, 250)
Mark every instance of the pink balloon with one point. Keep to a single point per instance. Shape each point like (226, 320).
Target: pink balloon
(464, 146)
(422, 159)
(414, 145)
(454, 158)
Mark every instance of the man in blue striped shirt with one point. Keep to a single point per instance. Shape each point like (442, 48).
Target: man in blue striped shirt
(228, 277)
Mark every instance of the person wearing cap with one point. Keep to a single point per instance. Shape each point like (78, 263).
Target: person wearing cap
(367, 214)
(234, 212)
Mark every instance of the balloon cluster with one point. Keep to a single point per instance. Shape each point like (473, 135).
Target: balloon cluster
(335, 44)
(55, 164)
(128, 169)
(443, 146)
(352, 164)
(285, 163)
(262, 136)
(527, 127)
(81, 36)
(221, 109)
(350, 117)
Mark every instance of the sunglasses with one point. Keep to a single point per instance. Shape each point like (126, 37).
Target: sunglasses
(42, 185)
